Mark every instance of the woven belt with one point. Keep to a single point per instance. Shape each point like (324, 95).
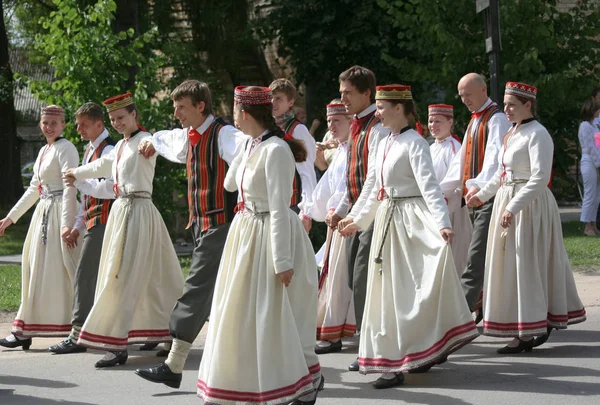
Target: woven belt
(48, 195)
(389, 215)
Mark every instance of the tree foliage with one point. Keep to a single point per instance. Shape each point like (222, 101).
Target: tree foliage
(430, 44)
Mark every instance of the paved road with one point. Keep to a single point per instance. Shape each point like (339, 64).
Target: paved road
(564, 371)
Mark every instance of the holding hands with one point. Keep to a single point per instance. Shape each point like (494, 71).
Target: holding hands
(69, 236)
(347, 227)
(471, 198)
(146, 149)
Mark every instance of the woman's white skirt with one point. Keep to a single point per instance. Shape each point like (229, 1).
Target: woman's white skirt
(139, 280)
(261, 335)
(48, 273)
(528, 283)
(335, 314)
(415, 312)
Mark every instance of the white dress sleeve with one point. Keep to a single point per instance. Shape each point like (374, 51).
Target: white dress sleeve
(68, 158)
(279, 175)
(230, 184)
(98, 168)
(172, 145)
(306, 169)
(378, 133)
(231, 142)
(318, 208)
(98, 188)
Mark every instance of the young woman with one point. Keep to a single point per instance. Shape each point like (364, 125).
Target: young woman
(529, 287)
(590, 162)
(261, 335)
(336, 307)
(51, 249)
(415, 314)
(139, 278)
(443, 150)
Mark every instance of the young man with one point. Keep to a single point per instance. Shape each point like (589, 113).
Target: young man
(357, 88)
(284, 97)
(97, 197)
(471, 169)
(207, 145)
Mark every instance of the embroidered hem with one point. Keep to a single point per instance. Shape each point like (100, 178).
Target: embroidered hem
(527, 329)
(120, 344)
(20, 328)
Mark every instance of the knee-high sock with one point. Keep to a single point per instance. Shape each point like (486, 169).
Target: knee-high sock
(178, 355)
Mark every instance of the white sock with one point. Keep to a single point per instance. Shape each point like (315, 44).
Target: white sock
(388, 376)
(167, 346)
(178, 355)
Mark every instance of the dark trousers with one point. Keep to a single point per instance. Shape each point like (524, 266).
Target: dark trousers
(472, 278)
(193, 308)
(598, 218)
(87, 274)
(359, 247)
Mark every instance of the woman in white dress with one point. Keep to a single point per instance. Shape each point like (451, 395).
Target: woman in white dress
(139, 278)
(590, 162)
(50, 251)
(415, 312)
(335, 318)
(443, 150)
(261, 336)
(528, 285)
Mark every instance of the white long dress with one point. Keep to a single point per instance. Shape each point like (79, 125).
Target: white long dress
(139, 279)
(528, 282)
(48, 266)
(335, 318)
(415, 311)
(261, 335)
(442, 153)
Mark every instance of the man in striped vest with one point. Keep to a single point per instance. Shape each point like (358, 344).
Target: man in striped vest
(357, 88)
(96, 196)
(474, 165)
(207, 145)
(284, 97)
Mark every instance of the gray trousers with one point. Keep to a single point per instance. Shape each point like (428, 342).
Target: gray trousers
(193, 308)
(472, 278)
(87, 274)
(359, 247)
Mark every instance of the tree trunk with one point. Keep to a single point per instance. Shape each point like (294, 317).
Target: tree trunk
(10, 152)
(129, 15)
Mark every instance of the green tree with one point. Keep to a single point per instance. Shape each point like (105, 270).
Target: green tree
(430, 44)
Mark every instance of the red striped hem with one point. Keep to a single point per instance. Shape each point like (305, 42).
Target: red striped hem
(515, 325)
(41, 327)
(303, 384)
(335, 332)
(565, 318)
(141, 333)
(415, 357)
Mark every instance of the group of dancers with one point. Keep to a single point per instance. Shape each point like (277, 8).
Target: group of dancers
(413, 229)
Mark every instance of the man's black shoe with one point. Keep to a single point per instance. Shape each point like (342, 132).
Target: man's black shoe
(353, 366)
(111, 359)
(67, 346)
(382, 383)
(160, 374)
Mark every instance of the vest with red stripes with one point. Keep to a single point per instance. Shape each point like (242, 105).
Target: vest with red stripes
(95, 210)
(288, 128)
(358, 158)
(210, 205)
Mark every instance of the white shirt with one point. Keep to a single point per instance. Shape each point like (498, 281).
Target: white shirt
(97, 188)
(173, 144)
(377, 134)
(442, 154)
(306, 169)
(498, 126)
(587, 140)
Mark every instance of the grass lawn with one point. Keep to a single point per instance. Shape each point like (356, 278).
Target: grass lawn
(584, 253)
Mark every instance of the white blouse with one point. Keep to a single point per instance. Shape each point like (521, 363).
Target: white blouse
(131, 171)
(527, 155)
(407, 172)
(587, 140)
(331, 187)
(442, 153)
(51, 162)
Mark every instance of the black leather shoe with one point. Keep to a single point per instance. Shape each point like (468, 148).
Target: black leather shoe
(320, 388)
(25, 343)
(382, 383)
(420, 370)
(148, 346)
(67, 346)
(160, 374)
(540, 340)
(353, 366)
(332, 348)
(111, 359)
(524, 346)
(163, 353)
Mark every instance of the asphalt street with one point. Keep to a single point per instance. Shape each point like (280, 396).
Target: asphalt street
(566, 370)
